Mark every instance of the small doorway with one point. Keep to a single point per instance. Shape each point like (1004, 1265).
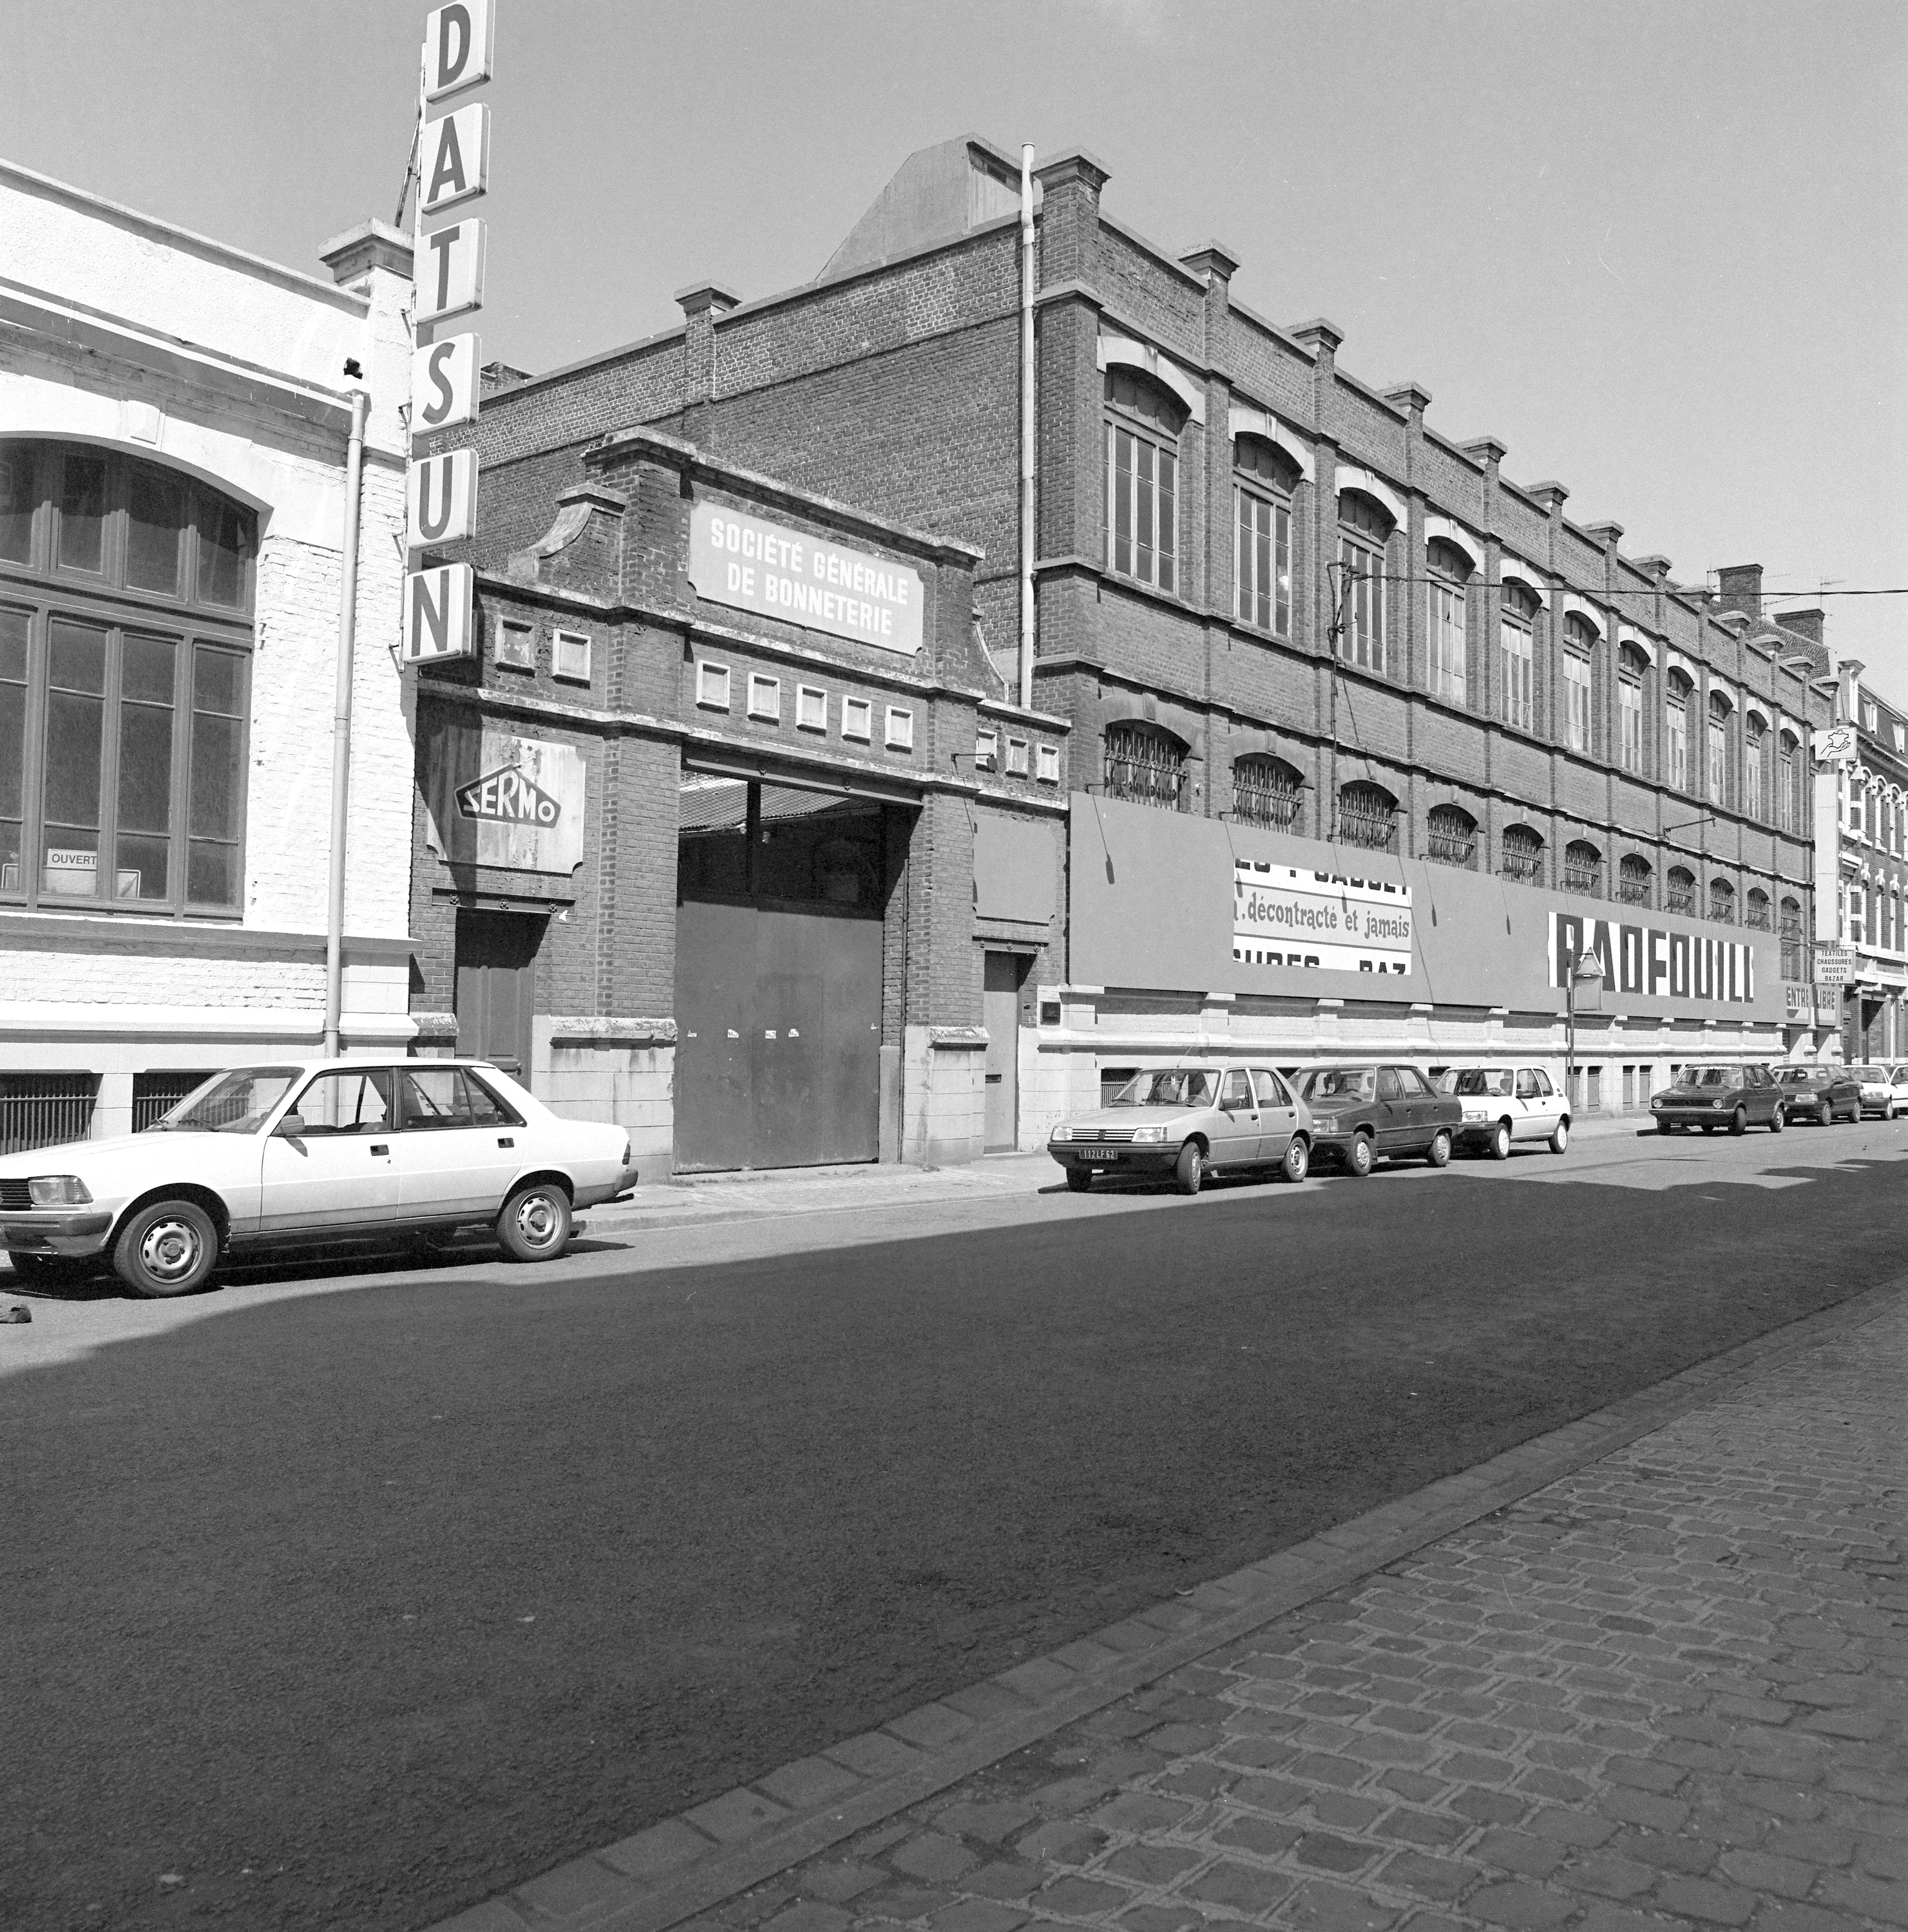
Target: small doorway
(1005, 973)
(496, 958)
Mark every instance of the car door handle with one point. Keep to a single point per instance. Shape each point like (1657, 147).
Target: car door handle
(506, 1140)
(380, 1147)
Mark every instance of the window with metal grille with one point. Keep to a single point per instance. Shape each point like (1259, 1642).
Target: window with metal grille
(1722, 901)
(1680, 895)
(1522, 854)
(40, 1110)
(1452, 839)
(160, 1091)
(1367, 816)
(1583, 868)
(1756, 910)
(1266, 477)
(1365, 530)
(1266, 791)
(1633, 880)
(1791, 930)
(1144, 765)
(1142, 461)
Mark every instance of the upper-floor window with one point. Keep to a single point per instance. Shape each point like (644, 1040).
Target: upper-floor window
(1718, 793)
(1579, 643)
(1676, 732)
(1722, 901)
(1632, 884)
(1453, 839)
(1755, 751)
(1631, 664)
(1451, 570)
(1755, 909)
(1144, 765)
(1523, 854)
(1681, 895)
(125, 660)
(1516, 649)
(1365, 530)
(1367, 816)
(1789, 796)
(1263, 480)
(1143, 421)
(1266, 791)
(1583, 868)
(1790, 930)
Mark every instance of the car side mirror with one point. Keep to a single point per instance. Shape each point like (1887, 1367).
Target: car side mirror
(291, 1128)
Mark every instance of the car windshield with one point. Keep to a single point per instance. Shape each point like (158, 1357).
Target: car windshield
(1803, 1076)
(236, 1103)
(1711, 1076)
(1873, 1075)
(1172, 1086)
(1485, 1080)
(1341, 1083)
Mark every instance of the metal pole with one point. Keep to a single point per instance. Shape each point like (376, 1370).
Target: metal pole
(1570, 1037)
(1026, 427)
(340, 752)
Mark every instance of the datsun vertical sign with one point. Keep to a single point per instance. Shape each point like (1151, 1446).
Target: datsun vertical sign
(494, 799)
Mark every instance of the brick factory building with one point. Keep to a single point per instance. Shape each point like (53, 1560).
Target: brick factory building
(1367, 740)
(174, 418)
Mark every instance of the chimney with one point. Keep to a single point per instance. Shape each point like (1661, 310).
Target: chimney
(1806, 623)
(1741, 589)
(702, 302)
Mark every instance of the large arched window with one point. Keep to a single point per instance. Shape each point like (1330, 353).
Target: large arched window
(1583, 868)
(1631, 668)
(1788, 783)
(1264, 478)
(1266, 791)
(1580, 650)
(1722, 901)
(1790, 930)
(1453, 839)
(1144, 420)
(1449, 570)
(1681, 896)
(1522, 853)
(1517, 616)
(1676, 733)
(1145, 766)
(125, 657)
(1755, 754)
(1367, 816)
(1755, 909)
(1364, 531)
(1718, 793)
(1633, 881)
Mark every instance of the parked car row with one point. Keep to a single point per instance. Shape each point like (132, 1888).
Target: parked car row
(1202, 1119)
(1732, 1100)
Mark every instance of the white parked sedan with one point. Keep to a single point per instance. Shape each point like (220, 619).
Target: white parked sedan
(1503, 1104)
(304, 1153)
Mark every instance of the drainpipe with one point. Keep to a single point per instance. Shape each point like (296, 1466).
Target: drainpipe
(1026, 427)
(341, 749)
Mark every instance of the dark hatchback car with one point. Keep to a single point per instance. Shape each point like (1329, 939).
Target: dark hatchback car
(1361, 1114)
(1714, 1099)
(1823, 1094)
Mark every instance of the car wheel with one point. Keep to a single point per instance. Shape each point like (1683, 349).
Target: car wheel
(53, 1271)
(1079, 1179)
(1358, 1155)
(534, 1225)
(1888, 1112)
(1777, 1121)
(1561, 1139)
(1739, 1122)
(1439, 1152)
(1500, 1140)
(167, 1247)
(1187, 1171)
(1297, 1163)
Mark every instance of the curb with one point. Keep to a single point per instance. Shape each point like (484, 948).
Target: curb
(686, 1864)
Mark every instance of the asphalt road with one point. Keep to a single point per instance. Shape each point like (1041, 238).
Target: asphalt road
(350, 1600)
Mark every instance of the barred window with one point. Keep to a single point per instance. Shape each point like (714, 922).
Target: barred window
(1583, 868)
(1265, 478)
(1453, 836)
(1364, 529)
(1142, 432)
(1756, 910)
(1144, 765)
(1681, 895)
(1722, 901)
(1522, 854)
(1632, 884)
(1791, 931)
(1367, 816)
(1266, 791)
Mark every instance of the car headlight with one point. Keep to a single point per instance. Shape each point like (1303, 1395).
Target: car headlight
(56, 1190)
(1149, 1134)
(1656, 1103)
(1062, 1132)
(1326, 1123)
(1719, 1105)
(1475, 1114)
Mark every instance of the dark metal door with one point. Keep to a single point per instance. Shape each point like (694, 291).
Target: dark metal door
(1000, 1012)
(496, 954)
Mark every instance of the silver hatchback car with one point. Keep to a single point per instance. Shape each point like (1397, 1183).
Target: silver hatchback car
(1189, 1121)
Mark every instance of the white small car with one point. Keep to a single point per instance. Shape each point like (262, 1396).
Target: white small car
(1503, 1104)
(303, 1153)
(1882, 1090)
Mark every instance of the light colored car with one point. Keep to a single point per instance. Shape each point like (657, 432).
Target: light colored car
(1506, 1104)
(305, 1153)
(1190, 1122)
(1881, 1092)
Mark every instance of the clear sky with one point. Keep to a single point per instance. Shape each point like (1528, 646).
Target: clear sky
(1660, 250)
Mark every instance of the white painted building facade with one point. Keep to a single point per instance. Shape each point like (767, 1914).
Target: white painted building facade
(175, 417)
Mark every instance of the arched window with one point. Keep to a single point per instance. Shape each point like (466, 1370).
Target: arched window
(1718, 793)
(1364, 531)
(1791, 932)
(1264, 478)
(1454, 840)
(1583, 868)
(1266, 791)
(1367, 816)
(1755, 909)
(1722, 901)
(1632, 884)
(1517, 616)
(1451, 570)
(1788, 783)
(1631, 664)
(1522, 854)
(1145, 766)
(1579, 646)
(125, 660)
(1681, 896)
(1755, 752)
(1144, 420)
(1676, 732)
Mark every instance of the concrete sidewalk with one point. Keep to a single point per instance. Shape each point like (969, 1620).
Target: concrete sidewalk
(1649, 1670)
